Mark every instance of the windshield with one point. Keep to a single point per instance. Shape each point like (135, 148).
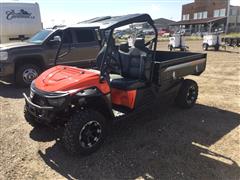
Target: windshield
(40, 36)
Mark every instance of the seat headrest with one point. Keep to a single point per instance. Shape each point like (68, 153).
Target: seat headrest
(124, 47)
(139, 43)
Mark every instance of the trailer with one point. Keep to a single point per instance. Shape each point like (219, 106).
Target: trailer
(211, 40)
(177, 42)
(231, 41)
(19, 21)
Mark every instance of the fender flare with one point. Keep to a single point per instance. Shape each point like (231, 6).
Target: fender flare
(95, 99)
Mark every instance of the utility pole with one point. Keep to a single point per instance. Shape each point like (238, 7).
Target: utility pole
(228, 14)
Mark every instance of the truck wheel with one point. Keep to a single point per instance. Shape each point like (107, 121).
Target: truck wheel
(26, 73)
(205, 47)
(84, 133)
(31, 120)
(187, 94)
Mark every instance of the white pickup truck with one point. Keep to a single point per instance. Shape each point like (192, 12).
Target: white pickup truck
(19, 21)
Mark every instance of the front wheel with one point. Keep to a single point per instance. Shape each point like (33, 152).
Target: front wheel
(32, 120)
(84, 133)
(187, 94)
(26, 73)
(205, 47)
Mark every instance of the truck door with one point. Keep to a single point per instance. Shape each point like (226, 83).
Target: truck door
(85, 47)
(65, 56)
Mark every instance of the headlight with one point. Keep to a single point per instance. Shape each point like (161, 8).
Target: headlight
(31, 94)
(3, 55)
(56, 102)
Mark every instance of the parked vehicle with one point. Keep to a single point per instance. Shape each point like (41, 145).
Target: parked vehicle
(164, 32)
(86, 102)
(24, 61)
(211, 40)
(19, 21)
(177, 41)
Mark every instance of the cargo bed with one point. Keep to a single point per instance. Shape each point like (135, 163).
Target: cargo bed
(175, 65)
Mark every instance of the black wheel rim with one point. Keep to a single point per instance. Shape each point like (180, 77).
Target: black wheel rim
(191, 95)
(90, 134)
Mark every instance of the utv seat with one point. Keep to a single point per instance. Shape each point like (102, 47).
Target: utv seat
(136, 68)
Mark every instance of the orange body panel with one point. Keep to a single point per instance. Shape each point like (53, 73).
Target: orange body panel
(70, 79)
(123, 98)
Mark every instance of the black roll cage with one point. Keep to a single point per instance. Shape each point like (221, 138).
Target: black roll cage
(139, 18)
(108, 23)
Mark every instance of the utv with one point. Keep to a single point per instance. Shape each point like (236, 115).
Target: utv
(127, 79)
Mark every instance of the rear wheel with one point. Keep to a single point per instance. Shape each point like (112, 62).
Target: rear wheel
(182, 49)
(205, 47)
(187, 94)
(26, 73)
(85, 132)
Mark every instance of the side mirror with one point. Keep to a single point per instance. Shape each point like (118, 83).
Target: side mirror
(55, 41)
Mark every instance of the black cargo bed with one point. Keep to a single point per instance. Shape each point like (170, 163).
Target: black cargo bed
(175, 65)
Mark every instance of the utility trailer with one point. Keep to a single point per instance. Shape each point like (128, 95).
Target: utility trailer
(211, 41)
(86, 102)
(177, 41)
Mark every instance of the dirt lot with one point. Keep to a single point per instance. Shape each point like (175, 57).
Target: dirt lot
(166, 143)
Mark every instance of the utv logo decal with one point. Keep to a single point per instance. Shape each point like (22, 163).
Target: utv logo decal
(21, 14)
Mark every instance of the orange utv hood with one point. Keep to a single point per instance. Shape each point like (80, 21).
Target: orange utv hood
(70, 79)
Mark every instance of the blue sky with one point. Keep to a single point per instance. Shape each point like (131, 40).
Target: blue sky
(73, 11)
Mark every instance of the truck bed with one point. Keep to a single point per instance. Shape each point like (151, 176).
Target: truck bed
(175, 65)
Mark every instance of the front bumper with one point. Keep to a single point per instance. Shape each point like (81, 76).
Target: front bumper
(43, 114)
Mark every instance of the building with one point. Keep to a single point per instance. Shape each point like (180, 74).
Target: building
(210, 16)
(162, 23)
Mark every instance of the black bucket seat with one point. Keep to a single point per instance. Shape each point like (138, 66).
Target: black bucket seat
(136, 68)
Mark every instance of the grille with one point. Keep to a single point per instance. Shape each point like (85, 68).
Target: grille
(39, 100)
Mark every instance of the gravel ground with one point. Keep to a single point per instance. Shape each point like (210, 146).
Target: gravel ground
(165, 143)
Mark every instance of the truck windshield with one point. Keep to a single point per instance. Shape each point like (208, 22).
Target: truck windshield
(40, 36)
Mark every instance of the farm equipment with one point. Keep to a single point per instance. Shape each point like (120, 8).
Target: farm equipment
(177, 42)
(231, 41)
(85, 102)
